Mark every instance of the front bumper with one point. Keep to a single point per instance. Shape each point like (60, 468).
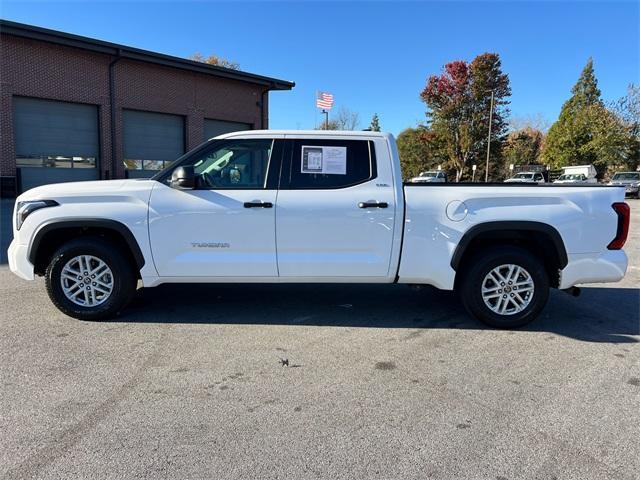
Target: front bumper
(19, 262)
(629, 190)
(609, 266)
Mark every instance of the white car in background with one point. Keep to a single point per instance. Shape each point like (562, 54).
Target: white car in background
(578, 174)
(572, 178)
(436, 176)
(526, 177)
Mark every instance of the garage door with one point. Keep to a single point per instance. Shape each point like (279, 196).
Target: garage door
(151, 141)
(55, 141)
(213, 128)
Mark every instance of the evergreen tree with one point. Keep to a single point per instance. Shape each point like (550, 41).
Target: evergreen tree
(375, 123)
(585, 91)
(586, 132)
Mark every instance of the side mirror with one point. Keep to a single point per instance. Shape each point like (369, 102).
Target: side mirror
(183, 178)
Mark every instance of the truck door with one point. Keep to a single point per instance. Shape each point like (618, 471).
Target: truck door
(335, 214)
(225, 227)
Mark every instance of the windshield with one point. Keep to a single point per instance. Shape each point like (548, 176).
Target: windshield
(570, 176)
(526, 176)
(627, 176)
(428, 174)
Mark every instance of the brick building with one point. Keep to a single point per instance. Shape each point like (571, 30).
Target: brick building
(76, 108)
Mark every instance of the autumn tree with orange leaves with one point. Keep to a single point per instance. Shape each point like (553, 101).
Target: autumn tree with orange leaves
(458, 106)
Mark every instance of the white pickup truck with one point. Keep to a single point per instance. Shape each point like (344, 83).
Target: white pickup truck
(314, 206)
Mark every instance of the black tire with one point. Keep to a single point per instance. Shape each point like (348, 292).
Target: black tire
(478, 268)
(123, 277)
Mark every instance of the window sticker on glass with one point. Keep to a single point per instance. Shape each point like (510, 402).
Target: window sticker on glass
(327, 160)
(311, 159)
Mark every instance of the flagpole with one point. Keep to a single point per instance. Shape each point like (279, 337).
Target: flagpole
(321, 100)
(486, 170)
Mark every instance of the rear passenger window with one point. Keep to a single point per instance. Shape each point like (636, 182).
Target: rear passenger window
(330, 164)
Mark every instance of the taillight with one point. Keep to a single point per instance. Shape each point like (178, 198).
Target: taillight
(624, 216)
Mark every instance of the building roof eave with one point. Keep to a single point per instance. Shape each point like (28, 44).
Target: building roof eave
(99, 46)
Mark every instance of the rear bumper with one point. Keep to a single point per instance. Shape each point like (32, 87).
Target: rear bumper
(19, 262)
(609, 266)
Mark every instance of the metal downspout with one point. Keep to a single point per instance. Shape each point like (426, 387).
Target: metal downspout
(112, 114)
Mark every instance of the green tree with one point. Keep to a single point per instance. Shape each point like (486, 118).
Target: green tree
(214, 60)
(609, 146)
(375, 123)
(458, 107)
(586, 91)
(523, 147)
(416, 151)
(586, 132)
(627, 109)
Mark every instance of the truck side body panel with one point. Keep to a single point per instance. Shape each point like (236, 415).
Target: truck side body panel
(324, 235)
(123, 201)
(439, 216)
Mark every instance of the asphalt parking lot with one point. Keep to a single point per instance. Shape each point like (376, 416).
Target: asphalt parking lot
(383, 382)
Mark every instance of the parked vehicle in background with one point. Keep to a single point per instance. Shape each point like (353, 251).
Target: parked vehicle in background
(572, 178)
(436, 176)
(630, 180)
(526, 177)
(578, 174)
(315, 207)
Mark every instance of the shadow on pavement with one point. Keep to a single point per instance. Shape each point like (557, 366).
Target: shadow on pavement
(598, 315)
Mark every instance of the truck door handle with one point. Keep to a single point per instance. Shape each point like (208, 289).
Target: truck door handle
(258, 205)
(373, 205)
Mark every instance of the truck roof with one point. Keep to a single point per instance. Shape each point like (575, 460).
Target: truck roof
(312, 133)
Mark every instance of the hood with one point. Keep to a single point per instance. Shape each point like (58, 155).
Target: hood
(518, 180)
(624, 182)
(423, 179)
(97, 188)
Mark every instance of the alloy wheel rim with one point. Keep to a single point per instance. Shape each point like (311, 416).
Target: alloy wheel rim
(86, 281)
(507, 289)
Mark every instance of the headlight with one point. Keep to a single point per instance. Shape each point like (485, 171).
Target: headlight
(24, 209)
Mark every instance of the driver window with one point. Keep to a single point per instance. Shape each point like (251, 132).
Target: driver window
(241, 163)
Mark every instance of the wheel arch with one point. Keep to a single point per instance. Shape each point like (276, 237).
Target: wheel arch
(541, 239)
(54, 233)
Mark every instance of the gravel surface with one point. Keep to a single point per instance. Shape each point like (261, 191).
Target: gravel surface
(382, 382)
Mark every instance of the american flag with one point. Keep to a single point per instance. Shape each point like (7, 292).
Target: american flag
(324, 100)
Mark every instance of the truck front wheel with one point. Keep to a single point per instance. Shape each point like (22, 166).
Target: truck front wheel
(89, 279)
(504, 287)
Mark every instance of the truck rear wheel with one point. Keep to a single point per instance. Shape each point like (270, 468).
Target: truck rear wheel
(505, 287)
(89, 279)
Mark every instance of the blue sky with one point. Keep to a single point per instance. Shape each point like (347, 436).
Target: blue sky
(373, 56)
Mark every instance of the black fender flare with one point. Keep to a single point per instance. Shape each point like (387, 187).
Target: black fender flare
(114, 225)
(520, 226)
